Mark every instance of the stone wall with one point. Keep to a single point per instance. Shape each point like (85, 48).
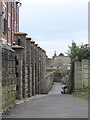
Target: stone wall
(21, 67)
(48, 83)
(85, 72)
(82, 73)
(89, 74)
(22, 71)
(31, 67)
(0, 78)
(8, 78)
(78, 74)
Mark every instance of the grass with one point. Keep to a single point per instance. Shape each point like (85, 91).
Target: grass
(82, 97)
(82, 93)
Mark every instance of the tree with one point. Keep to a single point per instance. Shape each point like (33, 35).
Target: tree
(76, 53)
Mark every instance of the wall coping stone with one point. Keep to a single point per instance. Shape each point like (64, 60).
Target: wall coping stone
(28, 38)
(17, 47)
(20, 33)
(36, 45)
(32, 42)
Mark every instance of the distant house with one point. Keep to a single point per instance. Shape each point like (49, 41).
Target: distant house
(59, 61)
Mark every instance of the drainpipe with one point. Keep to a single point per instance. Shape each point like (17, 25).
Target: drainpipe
(18, 4)
(1, 14)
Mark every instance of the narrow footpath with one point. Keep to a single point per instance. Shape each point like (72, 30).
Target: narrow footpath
(53, 105)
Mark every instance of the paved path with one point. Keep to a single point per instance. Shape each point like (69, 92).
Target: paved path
(53, 105)
(56, 89)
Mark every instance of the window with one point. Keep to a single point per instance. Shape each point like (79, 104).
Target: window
(0, 24)
(4, 10)
(9, 21)
(17, 74)
(17, 87)
(5, 26)
(15, 6)
(18, 41)
(15, 26)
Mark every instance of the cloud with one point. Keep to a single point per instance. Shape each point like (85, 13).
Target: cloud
(59, 45)
(53, 24)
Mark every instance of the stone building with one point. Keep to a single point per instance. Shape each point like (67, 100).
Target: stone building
(58, 64)
(58, 61)
(9, 20)
(9, 24)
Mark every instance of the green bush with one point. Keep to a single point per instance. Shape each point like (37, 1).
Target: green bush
(63, 71)
(83, 91)
(76, 53)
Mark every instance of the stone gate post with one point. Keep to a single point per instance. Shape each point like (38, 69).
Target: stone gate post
(20, 40)
(33, 66)
(28, 62)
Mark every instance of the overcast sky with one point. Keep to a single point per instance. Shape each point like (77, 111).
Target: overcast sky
(53, 24)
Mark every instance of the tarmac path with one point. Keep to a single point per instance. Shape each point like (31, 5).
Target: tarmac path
(53, 105)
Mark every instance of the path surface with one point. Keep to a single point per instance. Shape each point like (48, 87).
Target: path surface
(53, 105)
(56, 89)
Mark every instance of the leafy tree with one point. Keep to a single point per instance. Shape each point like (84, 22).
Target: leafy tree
(76, 53)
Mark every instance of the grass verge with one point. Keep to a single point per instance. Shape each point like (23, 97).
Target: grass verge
(82, 93)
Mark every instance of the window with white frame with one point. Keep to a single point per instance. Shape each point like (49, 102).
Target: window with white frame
(9, 21)
(15, 26)
(15, 6)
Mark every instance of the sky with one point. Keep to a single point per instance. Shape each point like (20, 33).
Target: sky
(53, 24)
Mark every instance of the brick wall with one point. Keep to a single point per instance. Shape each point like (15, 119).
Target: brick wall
(10, 19)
